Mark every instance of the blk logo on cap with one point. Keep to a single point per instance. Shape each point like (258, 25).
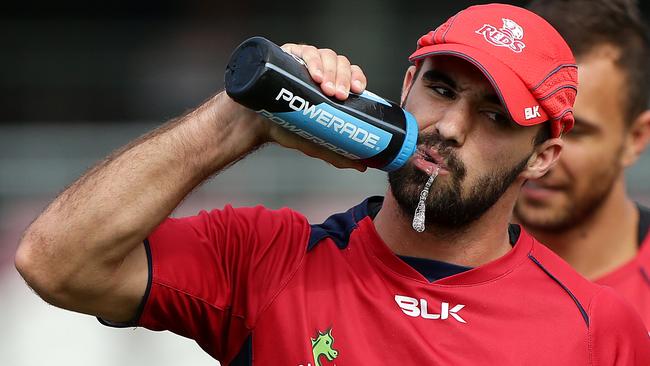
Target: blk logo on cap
(509, 35)
(532, 112)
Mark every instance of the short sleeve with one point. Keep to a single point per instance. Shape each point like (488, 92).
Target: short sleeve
(212, 274)
(617, 333)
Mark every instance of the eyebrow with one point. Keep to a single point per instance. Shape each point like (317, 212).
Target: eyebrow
(439, 76)
(584, 123)
(435, 75)
(494, 99)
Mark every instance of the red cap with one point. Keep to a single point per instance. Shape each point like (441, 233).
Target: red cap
(528, 63)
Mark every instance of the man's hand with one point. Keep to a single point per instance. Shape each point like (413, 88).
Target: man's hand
(337, 78)
(334, 73)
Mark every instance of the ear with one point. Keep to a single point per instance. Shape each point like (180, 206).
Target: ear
(406, 84)
(636, 139)
(543, 158)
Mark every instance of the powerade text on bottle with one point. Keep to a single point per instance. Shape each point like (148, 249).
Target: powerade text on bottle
(277, 85)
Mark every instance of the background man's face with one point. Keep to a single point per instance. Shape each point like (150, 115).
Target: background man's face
(590, 163)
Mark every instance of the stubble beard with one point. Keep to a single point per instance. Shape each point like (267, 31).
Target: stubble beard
(578, 207)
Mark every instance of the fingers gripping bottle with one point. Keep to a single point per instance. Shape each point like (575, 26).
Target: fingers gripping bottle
(277, 85)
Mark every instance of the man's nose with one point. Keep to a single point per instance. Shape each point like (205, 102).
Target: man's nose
(453, 125)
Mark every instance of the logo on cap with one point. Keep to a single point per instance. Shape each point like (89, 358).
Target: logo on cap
(532, 112)
(509, 35)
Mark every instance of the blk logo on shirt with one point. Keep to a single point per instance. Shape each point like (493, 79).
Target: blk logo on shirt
(420, 308)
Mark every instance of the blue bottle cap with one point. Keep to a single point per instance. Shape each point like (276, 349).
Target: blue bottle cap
(408, 146)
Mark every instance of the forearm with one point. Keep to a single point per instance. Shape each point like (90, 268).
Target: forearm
(132, 191)
(94, 224)
(85, 252)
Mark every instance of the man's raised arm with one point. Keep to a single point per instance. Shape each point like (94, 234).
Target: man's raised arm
(85, 253)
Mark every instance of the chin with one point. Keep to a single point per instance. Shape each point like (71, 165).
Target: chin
(542, 217)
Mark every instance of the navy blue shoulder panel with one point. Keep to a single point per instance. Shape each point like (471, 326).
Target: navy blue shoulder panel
(644, 223)
(643, 232)
(338, 227)
(584, 314)
(245, 355)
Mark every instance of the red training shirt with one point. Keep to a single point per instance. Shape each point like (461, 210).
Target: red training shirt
(254, 286)
(632, 280)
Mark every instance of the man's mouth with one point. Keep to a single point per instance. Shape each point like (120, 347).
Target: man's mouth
(539, 191)
(429, 160)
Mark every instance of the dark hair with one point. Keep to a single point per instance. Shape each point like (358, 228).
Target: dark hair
(587, 24)
(543, 134)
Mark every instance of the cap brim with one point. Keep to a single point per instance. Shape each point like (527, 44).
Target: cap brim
(522, 107)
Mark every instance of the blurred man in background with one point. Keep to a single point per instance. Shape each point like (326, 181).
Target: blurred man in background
(581, 209)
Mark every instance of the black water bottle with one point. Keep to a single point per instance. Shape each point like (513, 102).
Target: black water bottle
(277, 85)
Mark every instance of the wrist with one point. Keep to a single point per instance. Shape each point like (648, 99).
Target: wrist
(251, 129)
(222, 132)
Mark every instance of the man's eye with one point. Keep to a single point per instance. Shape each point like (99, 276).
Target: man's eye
(498, 118)
(576, 133)
(445, 92)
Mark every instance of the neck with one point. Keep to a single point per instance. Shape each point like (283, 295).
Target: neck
(602, 241)
(480, 242)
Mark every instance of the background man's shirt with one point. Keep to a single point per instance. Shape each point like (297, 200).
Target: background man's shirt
(632, 280)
